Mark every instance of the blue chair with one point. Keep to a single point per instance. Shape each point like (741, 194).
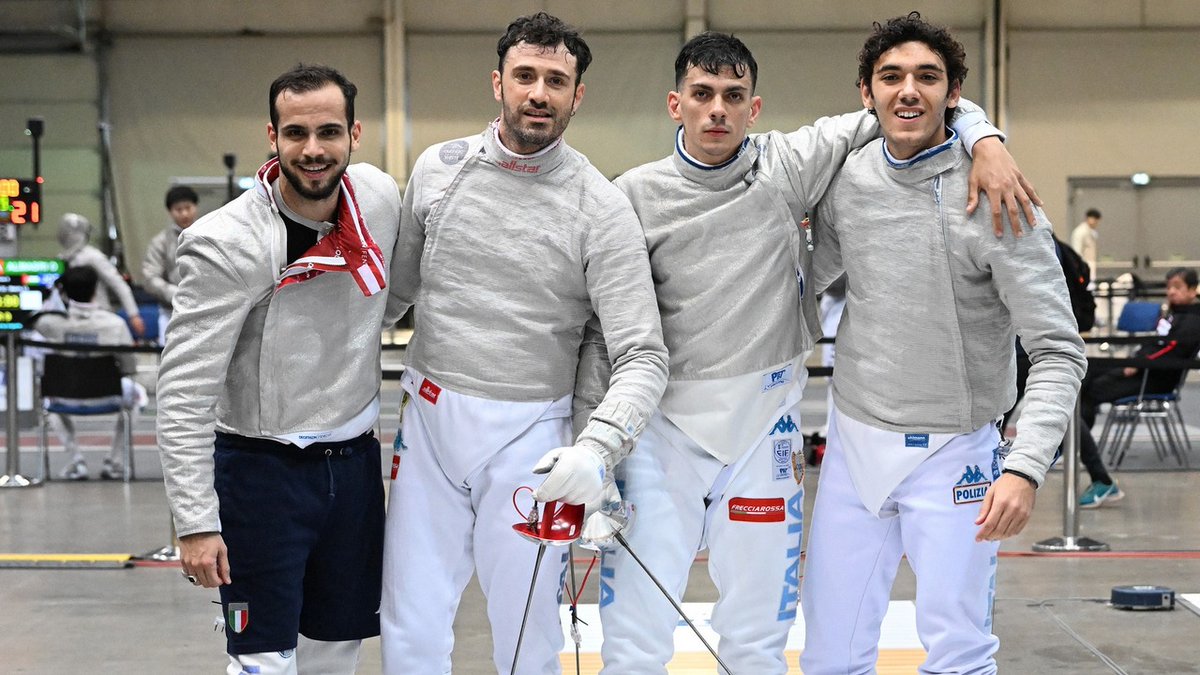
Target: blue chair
(1163, 418)
(1139, 317)
(83, 385)
(149, 313)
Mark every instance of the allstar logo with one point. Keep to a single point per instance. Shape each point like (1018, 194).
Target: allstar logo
(430, 391)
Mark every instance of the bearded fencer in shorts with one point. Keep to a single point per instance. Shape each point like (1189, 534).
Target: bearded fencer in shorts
(914, 465)
(514, 242)
(720, 464)
(269, 390)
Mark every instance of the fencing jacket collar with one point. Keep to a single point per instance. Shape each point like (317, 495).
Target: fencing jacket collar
(539, 163)
(716, 176)
(347, 247)
(951, 140)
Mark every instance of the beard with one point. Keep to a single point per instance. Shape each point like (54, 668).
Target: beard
(526, 135)
(320, 191)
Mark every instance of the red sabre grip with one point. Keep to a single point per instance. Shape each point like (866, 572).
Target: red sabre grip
(558, 524)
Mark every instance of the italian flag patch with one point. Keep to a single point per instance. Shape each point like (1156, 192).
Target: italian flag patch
(237, 616)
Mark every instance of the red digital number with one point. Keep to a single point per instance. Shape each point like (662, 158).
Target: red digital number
(18, 212)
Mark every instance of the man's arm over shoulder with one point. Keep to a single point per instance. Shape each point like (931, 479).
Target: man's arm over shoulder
(210, 309)
(815, 153)
(1029, 280)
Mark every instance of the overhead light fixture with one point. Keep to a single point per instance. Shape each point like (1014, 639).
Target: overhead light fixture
(1140, 178)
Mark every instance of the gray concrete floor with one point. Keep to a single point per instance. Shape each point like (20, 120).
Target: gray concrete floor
(1050, 612)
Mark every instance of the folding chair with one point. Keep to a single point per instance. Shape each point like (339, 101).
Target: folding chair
(84, 385)
(1163, 418)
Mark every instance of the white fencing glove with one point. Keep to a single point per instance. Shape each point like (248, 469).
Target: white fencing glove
(613, 516)
(576, 476)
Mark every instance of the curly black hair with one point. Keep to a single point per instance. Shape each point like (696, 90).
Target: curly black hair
(546, 31)
(912, 28)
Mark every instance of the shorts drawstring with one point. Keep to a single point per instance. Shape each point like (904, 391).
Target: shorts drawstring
(329, 466)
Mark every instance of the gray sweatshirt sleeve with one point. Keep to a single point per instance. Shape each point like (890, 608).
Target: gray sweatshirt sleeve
(617, 274)
(1030, 282)
(155, 273)
(210, 309)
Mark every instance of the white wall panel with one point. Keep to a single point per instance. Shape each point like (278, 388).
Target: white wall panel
(179, 104)
(1102, 104)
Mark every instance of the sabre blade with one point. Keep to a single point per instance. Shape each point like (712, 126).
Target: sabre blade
(528, 603)
(574, 607)
(621, 540)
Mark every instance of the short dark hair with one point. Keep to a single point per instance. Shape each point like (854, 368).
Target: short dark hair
(1093, 213)
(1187, 274)
(79, 283)
(181, 193)
(712, 51)
(545, 31)
(912, 28)
(304, 78)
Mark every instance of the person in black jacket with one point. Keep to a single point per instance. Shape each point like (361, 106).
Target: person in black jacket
(1178, 339)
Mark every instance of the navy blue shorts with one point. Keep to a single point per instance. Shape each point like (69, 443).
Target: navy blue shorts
(304, 529)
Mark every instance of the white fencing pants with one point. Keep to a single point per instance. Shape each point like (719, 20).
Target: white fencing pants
(311, 657)
(438, 533)
(750, 516)
(853, 557)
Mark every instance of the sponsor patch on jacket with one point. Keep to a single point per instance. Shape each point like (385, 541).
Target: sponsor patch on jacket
(916, 440)
(783, 459)
(452, 153)
(777, 378)
(430, 391)
(750, 510)
(972, 487)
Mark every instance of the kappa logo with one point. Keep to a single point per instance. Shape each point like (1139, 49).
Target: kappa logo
(520, 167)
(785, 425)
(237, 616)
(430, 391)
(972, 487)
(749, 510)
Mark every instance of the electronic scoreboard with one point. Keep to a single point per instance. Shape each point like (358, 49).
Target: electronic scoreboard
(20, 201)
(24, 285)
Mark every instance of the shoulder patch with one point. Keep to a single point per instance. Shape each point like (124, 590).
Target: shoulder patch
(453, 152)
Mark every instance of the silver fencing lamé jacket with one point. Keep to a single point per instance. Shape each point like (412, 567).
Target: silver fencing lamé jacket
(245, 359)
(511, 256)
(934, 302)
